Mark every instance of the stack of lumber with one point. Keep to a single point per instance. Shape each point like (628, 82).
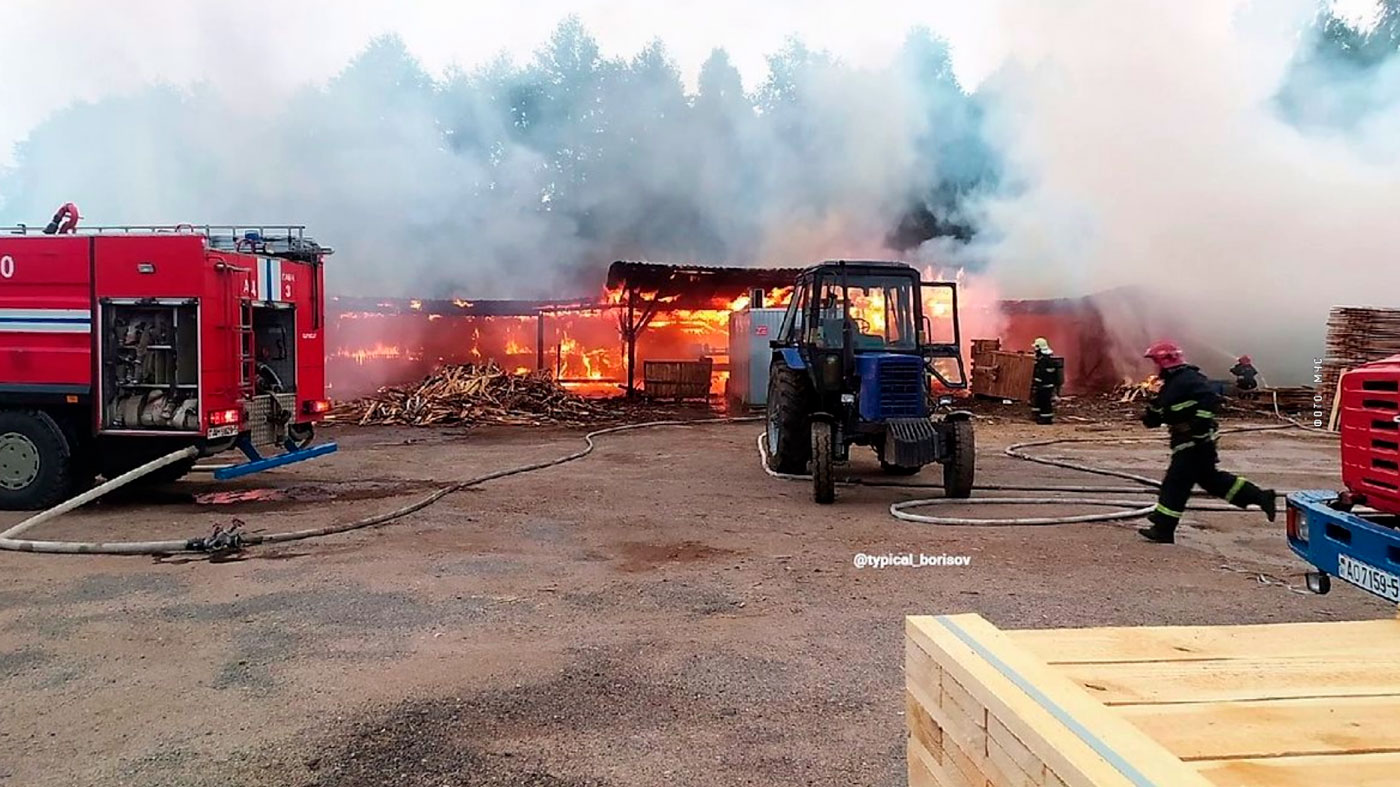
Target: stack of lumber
(1355, 336)
(1279, 704)
(1292, 399)
(467, 394)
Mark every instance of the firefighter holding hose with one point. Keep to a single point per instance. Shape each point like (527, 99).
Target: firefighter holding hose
(1186, 404)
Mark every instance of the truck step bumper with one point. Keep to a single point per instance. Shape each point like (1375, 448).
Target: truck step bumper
(267, 463)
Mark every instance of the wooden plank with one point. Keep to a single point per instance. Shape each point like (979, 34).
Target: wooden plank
(1355, 770)
(922, 728)
(1236, 679)
(1336, 404)
(1008, 746)
(1274, 728)
(924, 769)
(1358, 639)
(1076, 737)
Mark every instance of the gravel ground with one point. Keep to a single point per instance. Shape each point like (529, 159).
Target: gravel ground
(661, 612)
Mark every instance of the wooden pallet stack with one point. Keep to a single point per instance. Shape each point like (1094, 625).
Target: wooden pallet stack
(1280, 704)
(1355, 336)
(1001, 375)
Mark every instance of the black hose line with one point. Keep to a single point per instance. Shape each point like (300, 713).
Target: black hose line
(231, 541)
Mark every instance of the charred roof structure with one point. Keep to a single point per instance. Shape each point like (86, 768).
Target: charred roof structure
(694, 286)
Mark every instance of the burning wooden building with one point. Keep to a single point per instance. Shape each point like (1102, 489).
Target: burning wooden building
(647, 311)
(655, 312)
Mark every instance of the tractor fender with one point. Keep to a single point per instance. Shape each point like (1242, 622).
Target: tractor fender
(792, 358)
(822, 416)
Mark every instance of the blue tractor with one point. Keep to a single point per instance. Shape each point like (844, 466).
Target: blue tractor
(853, 364)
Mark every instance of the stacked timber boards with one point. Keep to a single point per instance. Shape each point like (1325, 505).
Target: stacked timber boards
(1283, 704)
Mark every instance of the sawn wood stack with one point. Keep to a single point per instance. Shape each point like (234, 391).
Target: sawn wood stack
(1355, 336)
(1277, 705)
(467, 394)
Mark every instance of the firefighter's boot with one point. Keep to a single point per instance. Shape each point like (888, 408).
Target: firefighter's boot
(1158, 534)
(1269, 503)
(1244, 493)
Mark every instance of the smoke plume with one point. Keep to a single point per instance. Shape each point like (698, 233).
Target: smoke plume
(527, 180)
(1145, 144)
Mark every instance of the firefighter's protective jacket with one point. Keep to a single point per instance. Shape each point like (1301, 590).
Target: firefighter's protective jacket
(1046, 373)
(1186, 405)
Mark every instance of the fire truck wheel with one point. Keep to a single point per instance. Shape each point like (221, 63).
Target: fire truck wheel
(301, 435)
(35, 459)
(789, 434)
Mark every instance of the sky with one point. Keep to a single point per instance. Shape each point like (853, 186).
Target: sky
(68, 50)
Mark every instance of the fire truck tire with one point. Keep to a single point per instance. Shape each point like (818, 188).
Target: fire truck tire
(35, 461)
(301, 435)
(789, 438)
(823, 463)
(960, 466)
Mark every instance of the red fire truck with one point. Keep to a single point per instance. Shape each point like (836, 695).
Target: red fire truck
(1354, 534)
(119, 345)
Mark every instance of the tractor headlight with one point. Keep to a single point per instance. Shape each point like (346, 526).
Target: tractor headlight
(831, 371)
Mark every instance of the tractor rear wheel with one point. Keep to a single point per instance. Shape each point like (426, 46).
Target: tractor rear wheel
(35, 461)
(823, 461)
(960, 464)
(789, 441)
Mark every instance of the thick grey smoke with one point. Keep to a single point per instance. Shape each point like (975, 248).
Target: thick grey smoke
(1145, 145)
(526, 180)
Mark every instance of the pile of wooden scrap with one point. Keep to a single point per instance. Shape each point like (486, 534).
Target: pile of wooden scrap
(1131, 391)
(468, 394)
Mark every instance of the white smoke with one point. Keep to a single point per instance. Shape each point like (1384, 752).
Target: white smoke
(1147, 150)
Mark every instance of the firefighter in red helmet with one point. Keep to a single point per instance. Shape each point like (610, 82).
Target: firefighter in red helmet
(1186, 404)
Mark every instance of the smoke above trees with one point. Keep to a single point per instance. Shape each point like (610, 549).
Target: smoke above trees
(1239, 161)
(527, 180)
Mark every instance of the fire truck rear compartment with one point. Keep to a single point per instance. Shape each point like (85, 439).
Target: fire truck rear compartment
(272, 409)
(149, 358)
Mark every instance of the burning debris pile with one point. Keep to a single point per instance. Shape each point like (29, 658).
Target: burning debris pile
(470, 394)
(1131, 391)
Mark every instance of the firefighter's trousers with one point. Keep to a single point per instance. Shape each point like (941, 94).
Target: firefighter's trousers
(1193, 464)
(1043, 404)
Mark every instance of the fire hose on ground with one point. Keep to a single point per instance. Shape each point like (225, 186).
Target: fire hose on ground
(1129, 509)
(223, 541)
(227, 541)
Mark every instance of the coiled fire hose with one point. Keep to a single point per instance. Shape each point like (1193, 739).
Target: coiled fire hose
(8, 540)
(1131, 509)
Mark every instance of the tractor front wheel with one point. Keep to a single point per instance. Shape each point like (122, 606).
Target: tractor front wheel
(960, 464)
(823, 461)
(789, 443)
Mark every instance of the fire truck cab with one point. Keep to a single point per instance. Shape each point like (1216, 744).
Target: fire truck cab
(119, 345)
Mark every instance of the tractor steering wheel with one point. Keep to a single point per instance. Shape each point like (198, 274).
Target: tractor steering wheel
(862, 325)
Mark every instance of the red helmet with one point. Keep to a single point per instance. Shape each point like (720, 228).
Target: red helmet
(1245, 359)
(1165, 354)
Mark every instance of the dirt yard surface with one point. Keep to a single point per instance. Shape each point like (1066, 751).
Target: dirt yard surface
(661, 612)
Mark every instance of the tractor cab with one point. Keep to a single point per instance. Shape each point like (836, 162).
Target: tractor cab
(852, 365)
